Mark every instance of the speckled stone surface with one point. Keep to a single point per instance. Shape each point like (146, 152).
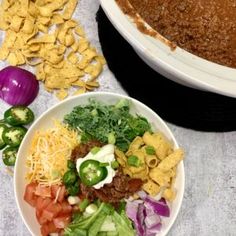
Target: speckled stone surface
(209, 204)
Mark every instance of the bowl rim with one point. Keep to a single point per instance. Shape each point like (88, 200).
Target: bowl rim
(195, 71)
(88, 95)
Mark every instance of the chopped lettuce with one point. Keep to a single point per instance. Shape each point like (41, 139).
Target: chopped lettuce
(95, 224)
(76, 232)
(110, 233)
(92, 224)
(102, 234)
(123, 224)
(108, 225)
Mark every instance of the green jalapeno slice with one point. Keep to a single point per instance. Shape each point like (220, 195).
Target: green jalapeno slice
(92, 172)
(13, 136)
(18, 115)
(9, 156)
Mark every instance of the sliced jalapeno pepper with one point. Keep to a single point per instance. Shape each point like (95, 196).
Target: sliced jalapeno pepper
(18, 115)
(2, 142)
(71, 165)
(13, 136)
(91, 172)
(9, 156)
(73, 190)
(69, 178)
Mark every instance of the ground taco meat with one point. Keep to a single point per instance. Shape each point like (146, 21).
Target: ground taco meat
(121, 187)
(84, 148)
(206, 28)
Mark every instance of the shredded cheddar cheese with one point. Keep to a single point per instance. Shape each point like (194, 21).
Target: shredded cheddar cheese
(49, 152)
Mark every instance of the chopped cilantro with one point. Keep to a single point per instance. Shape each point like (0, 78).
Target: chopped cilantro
(100, 121)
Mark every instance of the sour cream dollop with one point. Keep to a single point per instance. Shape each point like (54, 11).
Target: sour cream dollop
(104, 155)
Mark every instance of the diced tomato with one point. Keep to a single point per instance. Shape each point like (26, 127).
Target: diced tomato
(43, 191)
(49, 228)
(62, 193)
(62, 221)
(29, 195)
(42, 203)
(47, 215)
(54, 189)
(51, 211)
(44, 230)
(41, 219)
(66, 208)
(55, 208)
(58, 192)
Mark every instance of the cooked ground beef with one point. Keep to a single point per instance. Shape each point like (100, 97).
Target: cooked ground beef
(121, 187)
(84, 148)
(206, 28)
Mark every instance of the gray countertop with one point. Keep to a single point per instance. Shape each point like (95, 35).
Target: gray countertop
(209, 204)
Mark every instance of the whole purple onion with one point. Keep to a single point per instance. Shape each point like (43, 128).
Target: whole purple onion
(18, 86)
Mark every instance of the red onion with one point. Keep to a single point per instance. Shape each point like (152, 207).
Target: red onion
(163, 200)
(146, 213)
(152, 220)
(149, 211)
(18, 86)
(142, 194)
(153, 231)
(148, 233)
(135, 212)
(140, 220)
(132, 210)
(160, 207)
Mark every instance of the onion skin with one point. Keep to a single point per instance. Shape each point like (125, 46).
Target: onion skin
(18, 86)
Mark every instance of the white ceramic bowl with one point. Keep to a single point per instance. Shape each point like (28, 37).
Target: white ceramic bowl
(58, 111)
(178, 65)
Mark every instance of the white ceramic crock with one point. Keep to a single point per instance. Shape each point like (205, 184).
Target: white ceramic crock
(178, 65)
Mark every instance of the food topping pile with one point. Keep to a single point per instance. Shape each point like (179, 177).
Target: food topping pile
(204, 28)
(49, 152)
(101, 172)
(152, 159)
(42, 33)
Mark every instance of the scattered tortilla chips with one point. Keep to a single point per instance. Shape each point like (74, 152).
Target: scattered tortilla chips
(42, 33)
(157, 163)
